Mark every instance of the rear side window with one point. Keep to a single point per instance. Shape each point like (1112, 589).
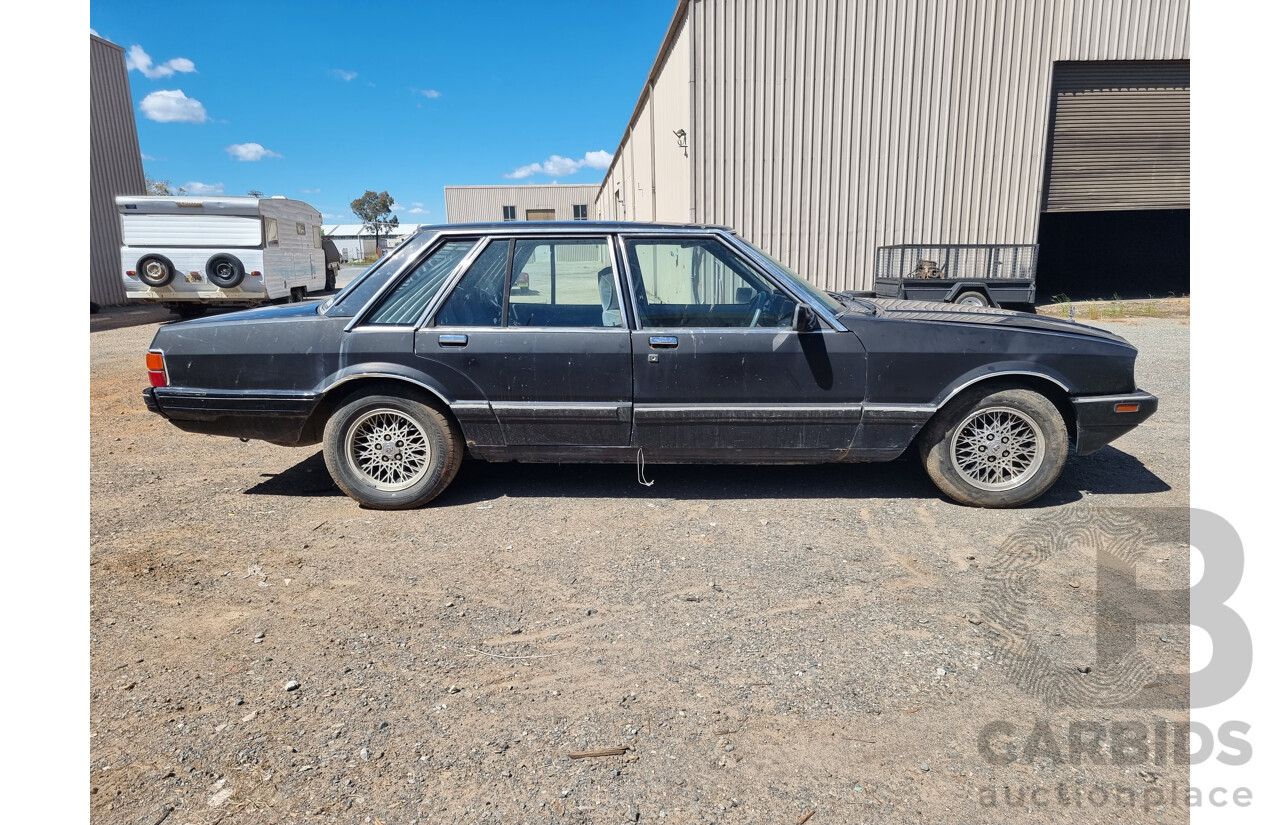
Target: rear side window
(407, 301)
(272, 231)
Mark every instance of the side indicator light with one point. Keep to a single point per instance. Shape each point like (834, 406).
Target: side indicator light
(1128, 408)
(255, 273)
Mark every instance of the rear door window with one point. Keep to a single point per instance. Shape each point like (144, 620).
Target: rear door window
(406, 302)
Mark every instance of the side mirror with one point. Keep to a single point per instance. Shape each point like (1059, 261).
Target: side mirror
(804, 319)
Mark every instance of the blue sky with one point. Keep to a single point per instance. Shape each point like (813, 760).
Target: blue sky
(321, 101)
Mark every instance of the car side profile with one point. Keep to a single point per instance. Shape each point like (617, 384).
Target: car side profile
(608, 342)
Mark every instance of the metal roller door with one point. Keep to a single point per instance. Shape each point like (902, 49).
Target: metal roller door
(1120, 136)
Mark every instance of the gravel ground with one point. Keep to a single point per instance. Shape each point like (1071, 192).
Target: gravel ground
(765, 642)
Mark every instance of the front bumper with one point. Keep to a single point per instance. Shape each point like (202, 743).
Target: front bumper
(277, 417)
(1099, 420)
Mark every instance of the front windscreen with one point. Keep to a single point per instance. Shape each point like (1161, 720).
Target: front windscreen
(815, 295)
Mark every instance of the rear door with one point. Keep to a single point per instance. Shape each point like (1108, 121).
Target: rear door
(720, 373)
(534, 326)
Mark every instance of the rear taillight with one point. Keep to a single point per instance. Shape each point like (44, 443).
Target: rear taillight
(256, 274)
(131, 273)
(155, 369)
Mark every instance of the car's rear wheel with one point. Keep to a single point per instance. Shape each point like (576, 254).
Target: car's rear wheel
(998, 448)
(391, 453)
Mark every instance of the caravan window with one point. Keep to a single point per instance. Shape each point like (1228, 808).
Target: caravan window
(302, 228)
(316, 240)
(273, 232)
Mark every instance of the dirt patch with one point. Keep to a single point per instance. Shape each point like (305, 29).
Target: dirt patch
(763, 642)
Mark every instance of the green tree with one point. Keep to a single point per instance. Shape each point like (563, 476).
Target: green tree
(163, 187)
(374, 210)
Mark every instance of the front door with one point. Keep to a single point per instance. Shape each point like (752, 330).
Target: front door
(720, 373)
(529, 327)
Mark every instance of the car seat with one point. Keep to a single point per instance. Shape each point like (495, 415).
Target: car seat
(611, 314)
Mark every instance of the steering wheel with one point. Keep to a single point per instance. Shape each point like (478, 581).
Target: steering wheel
(757, 307)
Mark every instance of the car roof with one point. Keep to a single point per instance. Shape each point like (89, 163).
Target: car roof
(524, 227)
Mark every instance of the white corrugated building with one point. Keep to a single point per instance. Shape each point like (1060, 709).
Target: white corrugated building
(823, 130)
(356, 242)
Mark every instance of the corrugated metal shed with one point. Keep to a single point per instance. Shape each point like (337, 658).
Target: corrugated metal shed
(115, 166)
(476, 204)
(823, 129)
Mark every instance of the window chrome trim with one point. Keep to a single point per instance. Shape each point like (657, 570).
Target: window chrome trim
(953, 393)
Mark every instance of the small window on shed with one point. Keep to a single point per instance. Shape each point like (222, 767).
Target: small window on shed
(579, 211)
(508, 213)
(272, 232)
(302, 228)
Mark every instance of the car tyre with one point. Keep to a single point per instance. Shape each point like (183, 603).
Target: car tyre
(391, 453)
(224, 271)
(155, 270)
(995, 449)
(972, 298)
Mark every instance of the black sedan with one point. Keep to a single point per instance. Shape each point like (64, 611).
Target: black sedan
(595, 342)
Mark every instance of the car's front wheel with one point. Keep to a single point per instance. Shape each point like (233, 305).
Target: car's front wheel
(1000, 448)
(391, 453)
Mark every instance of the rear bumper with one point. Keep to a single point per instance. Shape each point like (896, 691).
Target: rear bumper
(276, 417)
(1098, 422)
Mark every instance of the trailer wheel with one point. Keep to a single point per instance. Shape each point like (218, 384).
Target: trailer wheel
(297, 295)
(155, 270)
(330, 279)
(224, 271)
(971, 298)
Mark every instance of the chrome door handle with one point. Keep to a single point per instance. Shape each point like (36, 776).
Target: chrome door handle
(663, 342)
(451, 340)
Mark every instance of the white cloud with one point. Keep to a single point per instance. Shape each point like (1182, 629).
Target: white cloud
(140, 60)
(560, 166)
(170, 106)
(145, 156)
(416, 203)
(418, 210)
(195, 187)
(250, 151)
(432, 93)
(343, 75)
(308, 191)
(599, 159)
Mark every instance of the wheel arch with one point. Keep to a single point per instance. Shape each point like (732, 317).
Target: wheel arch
(337, 394)
(1051, 387)
(970, 286)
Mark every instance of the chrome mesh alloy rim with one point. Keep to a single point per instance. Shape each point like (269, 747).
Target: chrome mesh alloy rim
(388, 449)
(997, 448)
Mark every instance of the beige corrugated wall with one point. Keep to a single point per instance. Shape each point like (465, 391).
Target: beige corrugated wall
(822, 129)
(477, 204)
(115, 166)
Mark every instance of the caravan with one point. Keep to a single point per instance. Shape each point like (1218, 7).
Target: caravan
(189, 253)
